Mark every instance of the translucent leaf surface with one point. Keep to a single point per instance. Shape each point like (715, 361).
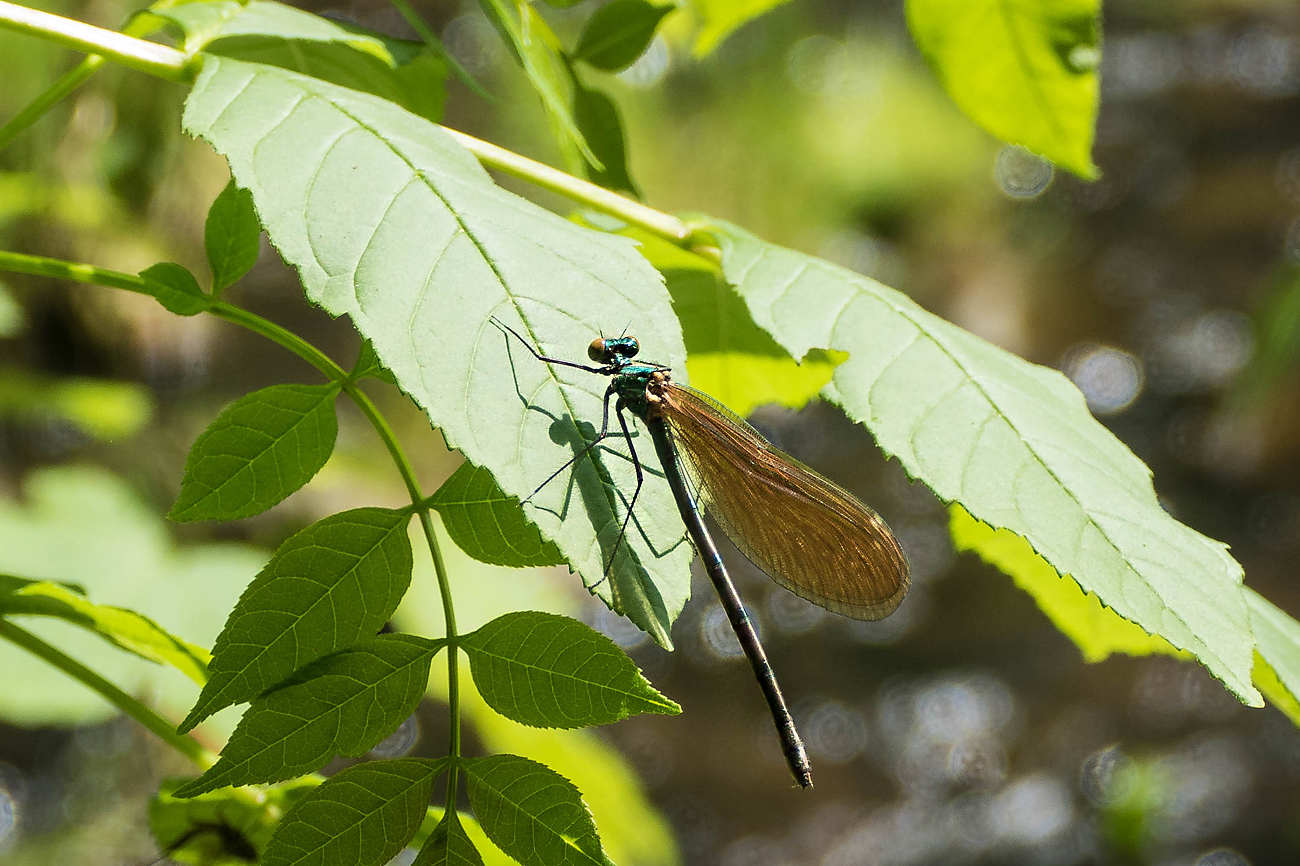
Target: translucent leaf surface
(273, 33)
(1278, 637)
(448, 846)
(550, 671)
(421, 249)
(131, 631)
(83, 525)
(260, 449)
(618, 33)
(1012, 442)
(719, 18)
(230, 236)
(532, 813)
(327, 587)
(362, 816)
(1026, 72)
(1095, 628)
(489, 525)
(343, 704)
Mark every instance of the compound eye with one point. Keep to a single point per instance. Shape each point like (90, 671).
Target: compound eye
(631, 347)
(598, 351)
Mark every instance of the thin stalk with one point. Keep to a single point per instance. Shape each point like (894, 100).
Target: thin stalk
(420, 26)
(160, 727)
(150, 57)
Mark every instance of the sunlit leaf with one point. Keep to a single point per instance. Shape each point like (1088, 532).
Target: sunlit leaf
(1011, 442)
(131, 631)
(550, 671)
(719, 18)
(343, 704)
(328, 587)
(398, 70)
(260, 449)
(421, 249)
(223, 827)
(532, 813)
(362, 816)
(1026, 72)
(1278, 649)
(230, 236)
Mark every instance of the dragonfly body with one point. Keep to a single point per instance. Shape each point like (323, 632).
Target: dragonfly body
(808, 534)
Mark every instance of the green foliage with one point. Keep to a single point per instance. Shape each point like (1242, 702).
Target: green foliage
(618, 33)
(368, 365)
(1011, 442)
(448, 846)
(718, 19)
(230, 236)
(532, 813)
(121, 627)
(362, 816)
(424, 238)
(328, 587)
(99, 408)
(488, 524)
(598, 118)
(263, 447)
(279, 35)
(1026, 72)
(343, 704)
(175, 288)
(1277, 659)
(551, 671)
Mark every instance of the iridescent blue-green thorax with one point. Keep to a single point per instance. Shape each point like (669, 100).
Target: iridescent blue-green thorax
(639, 386)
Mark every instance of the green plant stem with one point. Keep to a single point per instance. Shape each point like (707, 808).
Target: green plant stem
(174, 66)
(163, 729)
(150, 57)
(420, 26)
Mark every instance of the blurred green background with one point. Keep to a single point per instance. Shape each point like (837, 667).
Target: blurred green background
(965, 728)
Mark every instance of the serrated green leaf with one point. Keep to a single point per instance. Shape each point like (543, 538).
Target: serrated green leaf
(1026, 72)
(275, 34)
(263, 447)
(550, 671)
(421, 249)
(618, 33)
(1096, 629)
(718, 19)
(1012, 442)
(448, 846)
(598, 118)
(131, 631)
(1277, 657)
(489, 525)
(362, 816)
(728, 356)
(175, 288)
(343, 704)
(537, 50)
(329, 586)
(532, 813)
(368, 364)
(230, 236)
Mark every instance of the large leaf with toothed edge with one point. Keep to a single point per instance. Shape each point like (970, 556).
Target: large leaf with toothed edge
(391, 222)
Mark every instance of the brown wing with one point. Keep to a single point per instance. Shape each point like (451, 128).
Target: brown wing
(811, 536)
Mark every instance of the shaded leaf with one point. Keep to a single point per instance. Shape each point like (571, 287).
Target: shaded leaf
(532, 813)
(1278, 649)
(202, 831)
(175, 288)
(263, 447)
(230, 236)
(398, 70)
(344, 704)
(1026, 72)
(598, 118)
(1096, 629)
(126, 629)
(551, 671)
(362, 816)
(489, 525)
(327, 587)
(618, 33)
(1012, 442)
(423, 252)
(368, 364)
(448, 846)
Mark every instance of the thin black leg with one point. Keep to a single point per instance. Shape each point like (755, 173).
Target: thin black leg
(640, 479)
(604, 433)
(791, 744)
(604, 371)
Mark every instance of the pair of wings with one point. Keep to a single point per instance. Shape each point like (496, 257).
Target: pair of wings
(808, 534)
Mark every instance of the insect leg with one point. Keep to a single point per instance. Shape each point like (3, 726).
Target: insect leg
(604, 433)
(539, 356)
(640, 479)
